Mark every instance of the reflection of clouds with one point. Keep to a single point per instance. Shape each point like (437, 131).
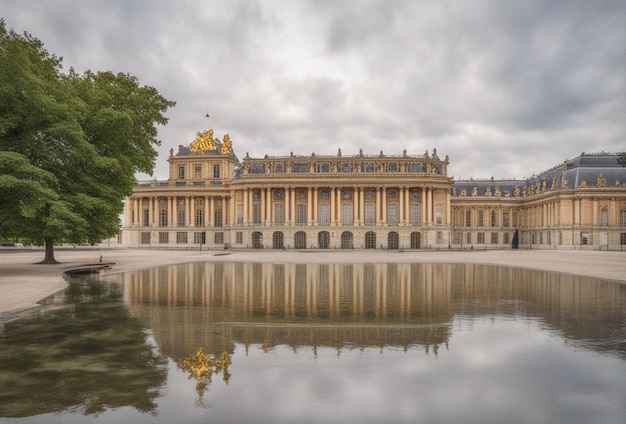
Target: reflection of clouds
(529, 380)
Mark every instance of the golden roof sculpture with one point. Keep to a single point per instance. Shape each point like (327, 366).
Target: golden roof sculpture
(204, 141)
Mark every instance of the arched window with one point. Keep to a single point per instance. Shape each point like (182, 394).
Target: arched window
(299, 240)
(347, 240)
(277, 240)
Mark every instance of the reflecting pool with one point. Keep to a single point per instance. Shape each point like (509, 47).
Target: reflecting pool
(321, 343)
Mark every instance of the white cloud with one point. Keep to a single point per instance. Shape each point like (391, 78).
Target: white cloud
(505, 89)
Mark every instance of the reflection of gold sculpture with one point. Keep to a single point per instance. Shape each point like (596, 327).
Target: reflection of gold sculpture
(203, 142)
(201, 367)
(226, 145)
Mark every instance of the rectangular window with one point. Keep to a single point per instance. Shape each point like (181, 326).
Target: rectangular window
(219, 238)
(481, 238)
(146, 218)
(392, 214)
(181, 237)
(439, 214)
(301, 214)
(481, 218)
(279, 214)
(324, 214)
(181, 218)
(622, 218)
(239, 237)
(200, 218)
(216, 171)
(506, 239)
(494, 219)
(199, 237)
(622, 239)
(370, 214)
(468, 238)
(584, 239)
(439, 237)
(604, 218)
(468, 218)
(457, 238)
(346, 214)
(494, 238)
(164, 237)
(505, 219)
(240, 214)
(256, 213)
(415, 213)
(197, 172)
(145, 238)
(181, 172)
(300, 167)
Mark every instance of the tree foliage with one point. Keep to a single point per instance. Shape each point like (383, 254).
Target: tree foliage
(75, 142)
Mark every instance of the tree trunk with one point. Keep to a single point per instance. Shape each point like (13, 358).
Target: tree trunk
(49, 259)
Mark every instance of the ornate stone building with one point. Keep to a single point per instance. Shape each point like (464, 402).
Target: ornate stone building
(371, 201)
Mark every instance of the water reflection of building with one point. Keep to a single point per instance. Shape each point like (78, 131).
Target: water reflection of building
(216, 305)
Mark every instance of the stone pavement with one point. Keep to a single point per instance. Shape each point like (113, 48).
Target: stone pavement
(24, 283)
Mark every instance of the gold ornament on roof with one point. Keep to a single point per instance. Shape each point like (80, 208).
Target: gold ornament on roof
(226, 145)
(601, 181)
(204, 141)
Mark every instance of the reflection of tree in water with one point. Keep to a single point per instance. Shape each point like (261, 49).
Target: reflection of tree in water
(88, 356)
(201, 366)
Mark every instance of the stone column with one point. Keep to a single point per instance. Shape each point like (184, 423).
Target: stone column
(361, 206)
(384, 209)
(378, 206)
(333, 215)
(309, 206)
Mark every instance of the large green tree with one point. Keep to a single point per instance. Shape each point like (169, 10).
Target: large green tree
(76, 142)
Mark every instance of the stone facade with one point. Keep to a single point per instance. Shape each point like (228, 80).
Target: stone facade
(378, 201)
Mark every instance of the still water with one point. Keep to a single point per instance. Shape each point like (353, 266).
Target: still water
(359, 343)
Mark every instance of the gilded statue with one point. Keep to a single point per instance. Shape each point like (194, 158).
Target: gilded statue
(498, 193)
(226, 145)
(204, 141)
(488, 191)
(475, 191)
(601, 181)
(553, 183)
(517, 191)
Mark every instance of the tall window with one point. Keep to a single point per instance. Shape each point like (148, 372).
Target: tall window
(200, 218)
(481, 218)
(604, 218)
(240, 214)
(217, 215)
(181, 237)
(481, 238)
(494, 238)
(218, 238)
(163, 218)
(146, 218)
(301, 214)
(256, 213)
(622, 218)
(346, 214)
(324, 217)
(216, 171)
(181, 172)
(468, 218)
(145, 238)
(197, 172)
(181, 217)
(494, 219)
(415, 213)
(279, 214)
(392, 214)
(370, 214)
(439, 214)
(505, 219)
(239, 237)
(164, 237)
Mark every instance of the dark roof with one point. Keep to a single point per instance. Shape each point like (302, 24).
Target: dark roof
(597, 169)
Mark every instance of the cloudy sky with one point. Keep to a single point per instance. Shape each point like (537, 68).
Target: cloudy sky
(505, 88)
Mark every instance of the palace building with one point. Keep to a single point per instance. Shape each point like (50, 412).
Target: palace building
(364, 201)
